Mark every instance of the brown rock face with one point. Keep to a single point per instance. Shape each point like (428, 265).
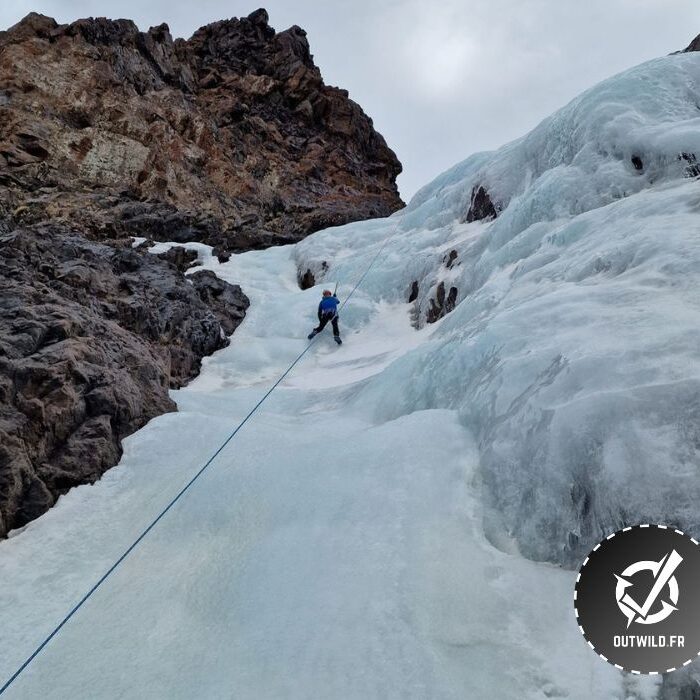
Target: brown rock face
(91, 339)
(229, 138)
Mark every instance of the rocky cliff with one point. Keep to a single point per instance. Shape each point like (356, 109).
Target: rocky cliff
(91, 338)
(230, 138)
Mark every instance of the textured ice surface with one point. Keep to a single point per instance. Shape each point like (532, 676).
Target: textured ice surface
(573, 355)
(373, 532)
(326, 554)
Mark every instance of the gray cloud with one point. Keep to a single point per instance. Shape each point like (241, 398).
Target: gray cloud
(440, 81)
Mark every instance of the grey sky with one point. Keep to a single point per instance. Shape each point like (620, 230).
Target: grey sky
(441, 80)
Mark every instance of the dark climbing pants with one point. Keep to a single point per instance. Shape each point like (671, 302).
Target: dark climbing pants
(333, 318)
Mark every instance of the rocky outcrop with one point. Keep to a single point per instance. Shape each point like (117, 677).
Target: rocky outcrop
(230, 138)
(92, 337)
(227, 301)
(481, 208)
(693, 46)
(307, 279)
(181, 257)
(450, 259)
(442, 304)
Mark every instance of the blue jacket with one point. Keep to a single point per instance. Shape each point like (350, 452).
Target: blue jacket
(328, 305)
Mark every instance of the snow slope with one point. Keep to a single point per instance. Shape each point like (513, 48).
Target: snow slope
(397, 521)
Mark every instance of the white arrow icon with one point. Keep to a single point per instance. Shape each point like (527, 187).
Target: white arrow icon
(663, 574)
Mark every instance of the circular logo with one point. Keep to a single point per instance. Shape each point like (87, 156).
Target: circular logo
(637, 599)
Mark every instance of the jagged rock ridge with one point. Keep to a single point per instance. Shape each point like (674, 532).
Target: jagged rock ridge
(229, 138)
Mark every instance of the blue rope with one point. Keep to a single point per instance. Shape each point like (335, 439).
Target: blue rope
(136, 542)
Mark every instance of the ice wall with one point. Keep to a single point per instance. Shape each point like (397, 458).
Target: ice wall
(573, 351)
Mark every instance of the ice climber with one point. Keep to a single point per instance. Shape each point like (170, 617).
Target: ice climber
(328, 311)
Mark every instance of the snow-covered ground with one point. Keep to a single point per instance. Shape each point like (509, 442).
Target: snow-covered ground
(400, 518)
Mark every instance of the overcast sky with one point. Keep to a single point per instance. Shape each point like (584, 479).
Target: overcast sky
(441, 80)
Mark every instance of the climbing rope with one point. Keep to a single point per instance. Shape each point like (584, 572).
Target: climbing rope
(182, 491)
